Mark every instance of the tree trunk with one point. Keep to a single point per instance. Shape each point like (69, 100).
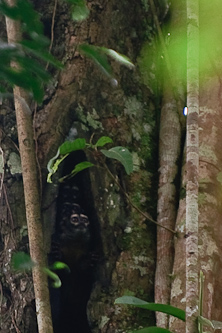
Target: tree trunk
(81, 102)
(192, 154)
(82, 99)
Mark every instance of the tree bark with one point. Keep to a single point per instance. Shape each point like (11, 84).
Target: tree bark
(31, 191)
(192, 155)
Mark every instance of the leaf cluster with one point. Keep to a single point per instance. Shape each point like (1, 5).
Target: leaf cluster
(22, 261)
(170, 310)
(21, 64)
(119, 153)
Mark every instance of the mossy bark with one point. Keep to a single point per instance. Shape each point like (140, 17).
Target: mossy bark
(81, 97)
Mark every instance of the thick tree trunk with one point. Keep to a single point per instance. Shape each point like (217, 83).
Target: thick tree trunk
(209, 198)
(82, 99)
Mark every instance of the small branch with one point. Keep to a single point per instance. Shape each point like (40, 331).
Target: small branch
(52, 30)
(8, 206)
(3, 168)
(132, 204)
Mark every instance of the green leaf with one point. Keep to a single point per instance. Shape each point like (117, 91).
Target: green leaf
(119, 57)
(37, 49)
(98, 56)
(24, 12)
(103, 141)
(153, 329)
(121, 154)
(79, 167)
(22, 261)
(57, 282)
(216, 325)
(51, 161)
(60, 265)
(54, 167)
(170, 310)
(80, 10)
(69, 146)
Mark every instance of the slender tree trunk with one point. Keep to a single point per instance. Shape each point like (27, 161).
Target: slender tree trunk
(192, 267)
(31, 191)
(172, 127)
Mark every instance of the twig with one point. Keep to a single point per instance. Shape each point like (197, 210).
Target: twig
(8, 206)
(36, 151)
(132, 204)
(52, 30)
(15, 325)
(3, 172)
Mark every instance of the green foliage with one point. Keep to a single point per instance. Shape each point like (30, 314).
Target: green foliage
(56, 280)
(80, 11)
(121, 154)
(28, 55)
(99, 56)
(28, 74)
(69, 146)
(57, 265)
(53, 166)
(21, 261)
(103, 141)
(170, 310)
(24, 12)
(79, 167)
(95, 53)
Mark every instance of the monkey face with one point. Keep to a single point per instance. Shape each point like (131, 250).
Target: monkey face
(74, 222)
(79, 221)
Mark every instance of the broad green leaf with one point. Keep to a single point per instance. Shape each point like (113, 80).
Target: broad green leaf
(153, 329)
(60, 265)
(79, 167)
(22, 261)
(98, 56)
(56, 280)
(121, 154)
(69, 146)
(54, 168)
(170, 310)
(103, 141)
(119, 57)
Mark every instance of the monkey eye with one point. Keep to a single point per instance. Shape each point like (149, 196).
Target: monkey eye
(84, 219)
(74, 219)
